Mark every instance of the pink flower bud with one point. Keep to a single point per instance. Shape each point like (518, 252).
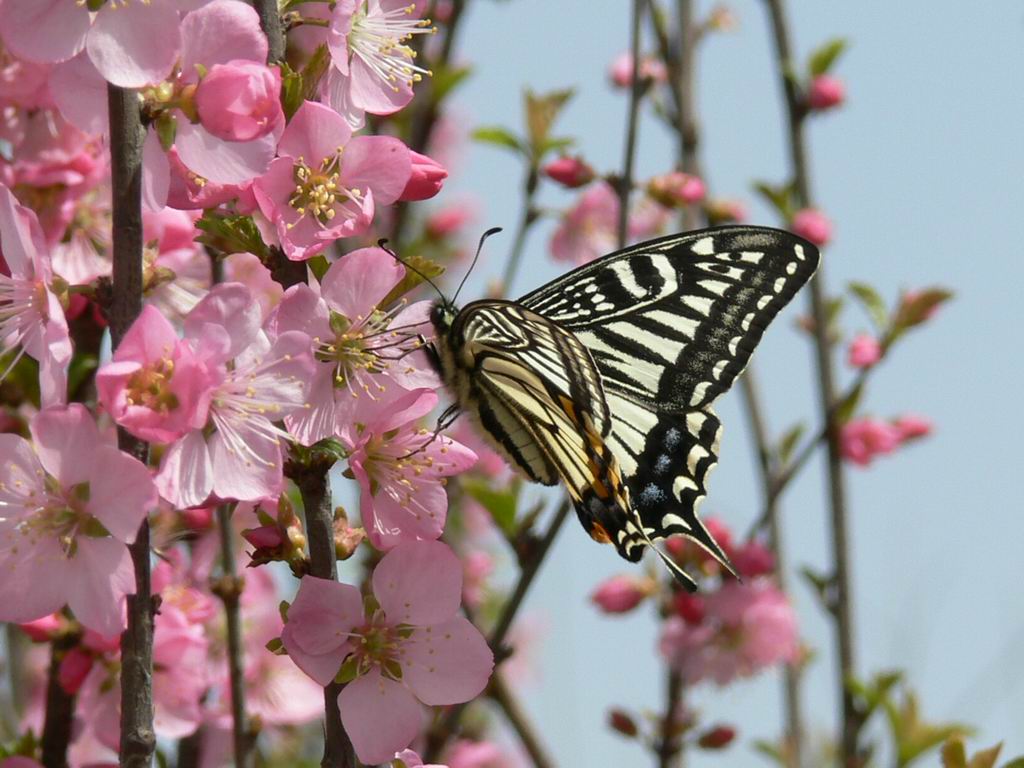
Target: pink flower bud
(42, 630)
(570, 172)
(619, 594)
(861, 440)
(264, 537)
(73, 669)
(811, 224)
(426, 180)
(912, 427)
(621, 70)
(723, 211)
(864, 351)
(690, 608)
(676, 189)
(448, 221)
(197, 518)
(240, 100)
(825, 93)
(717, 737)
(753, 560)
(623, 722)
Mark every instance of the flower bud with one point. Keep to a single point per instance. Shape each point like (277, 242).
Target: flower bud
(825, 92)
(240, 100)
(753, 560)
(197, 519)
(571, 172)
(690, 608)
(619, 594)
(811, 224)
(264, 537)
(42, 630)
(621, 721)
(676, 189)
(426, 180)
(724, 211)
(717, 737)
(912, 427)
(73, 669)
(621, 71)
(447, 221)
(864, 351)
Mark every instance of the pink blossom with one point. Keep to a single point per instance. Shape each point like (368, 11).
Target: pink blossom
(43, 630)
(752, 559)
(676, 189)
(864, 351)
(861, 440)
(364, 352)
(621, 70)
(426, 179)
(477, 754)
(176, 267)
(690, 608)
(373, 68)
(325, 183)
(620, 594)
(240, 100)
(448, 221)
(69, 506)
(31, 317)
(723, 210)
(747, 627)
(401, 468)
(247, 269)
(588, 229)
(912, 427)
(414, 648)
(811, 224)
(76, 664)
(409, 759)
(825, 92)
(570, 172)
(478, 565)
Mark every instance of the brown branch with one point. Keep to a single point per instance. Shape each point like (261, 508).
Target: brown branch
(126, 135)
(529, 217)
(670, 747)
(439, 737)
(632, 118)
(270, 22)
(229, 589)
(314, 485)
(686, 104)
(796, 114)
(60, 707)
(505, 698)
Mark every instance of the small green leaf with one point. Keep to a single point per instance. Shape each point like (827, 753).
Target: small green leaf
(313, 72)
(416, 269)
(232, 234)
(541, 112)
(780, 197)
(276, 646)
(825, 55)
(500, 503)
(291, 91)
(847, 407)
(771, 751)
(349, 671)
(915, 310)
(318, 265)
(557, 144)
(986, 758)
(1017, 762)
(819, 582)
(873, 304)
(166, 130)
(446, 79)
(789, 442)
(501, 137)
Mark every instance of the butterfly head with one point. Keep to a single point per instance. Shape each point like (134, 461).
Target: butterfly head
(442, 316)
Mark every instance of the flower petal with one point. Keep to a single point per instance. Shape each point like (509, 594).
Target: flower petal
(135, 44)
(323, 613)
(103, 576)
(80, 93)
(232, 307)
(220, 161)
(43, 30)
(66, 440)
(380, 163)
(220, 32)
(186, 473)
(419, 583)
(447, 663)
(121, 492)
(250, 470)
(315, 132)
(380, 716)
(156, 173)
(356, 283)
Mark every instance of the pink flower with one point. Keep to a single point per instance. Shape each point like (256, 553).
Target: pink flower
(621, 70)
(414, 648)
(912, 427)
(747, 627)
(477, 566)
(325, 183)
(448, 221)
(864, 351)
(588, 229)
(74, 668)
(409, 759)
(373, 68)
(240, 100)
(811, 224)
(620, 594)
(690, 608)
(825, 92)
(43, 630)
(752, 560)
(723, 211)
(570, 172)
(68, 506)
(676, 189)
(426, 179)
(477, 754)
(31, 317)
(863, 439)
(178, 269)
(359, 356)
(236, 452)
(401, 469)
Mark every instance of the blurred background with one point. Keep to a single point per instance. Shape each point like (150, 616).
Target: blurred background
(921, 172)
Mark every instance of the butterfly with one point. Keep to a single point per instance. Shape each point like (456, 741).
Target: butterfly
(605, 378)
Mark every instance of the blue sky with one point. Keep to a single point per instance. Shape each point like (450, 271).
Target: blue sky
(923, 174)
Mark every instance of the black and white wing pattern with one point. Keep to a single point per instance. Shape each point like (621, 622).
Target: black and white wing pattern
(669, 325)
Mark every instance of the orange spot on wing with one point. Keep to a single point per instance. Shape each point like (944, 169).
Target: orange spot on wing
(599, 534)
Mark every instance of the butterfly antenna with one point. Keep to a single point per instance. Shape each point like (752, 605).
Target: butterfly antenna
(445, 420)
(480, 247)
(382, 244)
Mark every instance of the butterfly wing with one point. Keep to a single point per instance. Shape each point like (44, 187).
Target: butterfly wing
(670, 324)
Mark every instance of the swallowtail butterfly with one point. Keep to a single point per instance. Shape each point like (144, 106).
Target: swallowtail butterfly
(605, 378)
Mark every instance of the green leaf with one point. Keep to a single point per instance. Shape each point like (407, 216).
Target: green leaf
(541, 112)
(82, 367)
(788, 442)
(559, 144)
(825, 55)
(847, 407)
(446, 79)
(166, 129)
(780, 197)
(500, 137)
(417, 268)
(313, 72)
(986, 758)
(232, 234)
(500, 503)
(1017, 762)
(873, 304)
(291, 91)
(771, 751)
(954, 754)
(915, 310)
(819, 582)
(349, 671)
(318, 265)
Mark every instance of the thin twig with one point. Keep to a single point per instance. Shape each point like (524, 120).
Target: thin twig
(60, 707)
(315, 488)
(686, 117)
(629, 152)
(506, 700)
(138, 740)
(229, 589)
(529, 217)
(446, 729)
(669, 747)
(842, 607)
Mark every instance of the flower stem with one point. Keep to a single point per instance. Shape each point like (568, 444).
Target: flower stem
(629, 152)
(60, 708)
(669, 747)
(505, 698)
(138, 740)
(314, 485)
(842, 607)
(529, 217)
(229, 589)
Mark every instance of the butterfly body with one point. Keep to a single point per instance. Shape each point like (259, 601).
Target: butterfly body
(604, 378)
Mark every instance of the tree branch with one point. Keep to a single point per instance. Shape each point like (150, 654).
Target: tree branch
(270, 21)
(506, 700)
(629, 152)
(60, 707)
